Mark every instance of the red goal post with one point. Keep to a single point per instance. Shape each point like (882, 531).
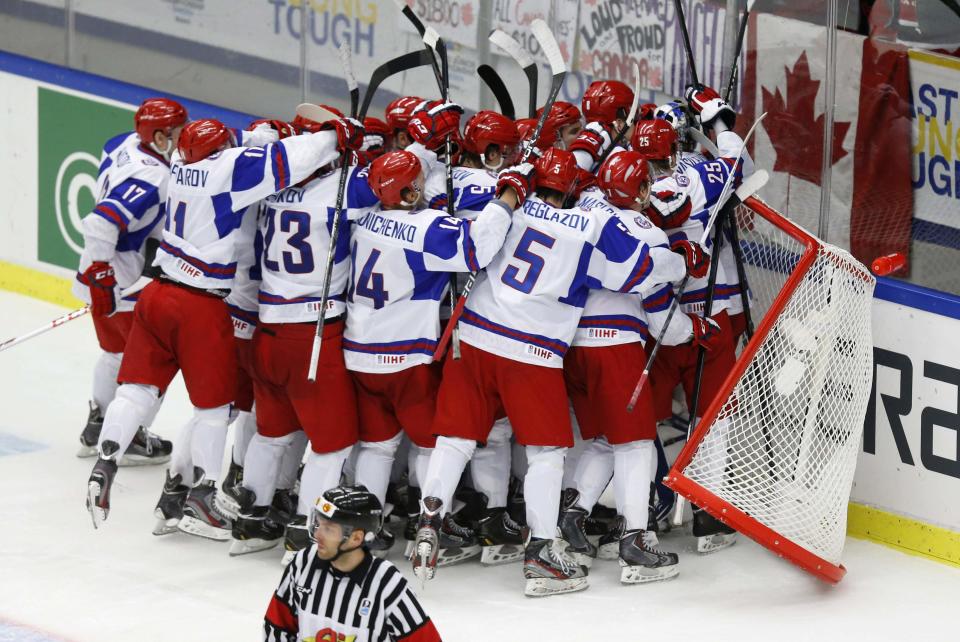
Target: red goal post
(775, 452)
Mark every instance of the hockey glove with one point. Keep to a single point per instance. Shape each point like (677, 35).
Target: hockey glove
(707, 104)
(100, 279)
(696, 258)
(520, 178)
(350, 133)
(430, 127)
(283, 129)
(594, 139)
(706, 332)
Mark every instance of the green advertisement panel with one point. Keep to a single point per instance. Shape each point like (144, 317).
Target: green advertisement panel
(72, 131)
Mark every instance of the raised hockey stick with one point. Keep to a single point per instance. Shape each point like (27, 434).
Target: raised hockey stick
(516, 51)
(406, 62)
(140, 283)
(757, 180)
(735, 67)
(701, 139)
(493, 80)
(686, 40)
(316, 113)
(631, 117)
(344, 53)
(559, 69)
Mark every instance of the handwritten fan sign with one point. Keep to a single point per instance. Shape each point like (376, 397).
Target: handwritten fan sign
(616, 33)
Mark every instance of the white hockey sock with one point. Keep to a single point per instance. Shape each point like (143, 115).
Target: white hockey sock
(593, 472)
(105, 384)
(541, 489)
(292, 458)
(374, 462)
(490, 466)
(244, 428)
(208, 440)
(447, 462)
(261, 465)
(131, 404)
(181, 463)
(632, 475)
(401, 459)
(321, 473)
(573, 454)
(420, 458)
(152, 415)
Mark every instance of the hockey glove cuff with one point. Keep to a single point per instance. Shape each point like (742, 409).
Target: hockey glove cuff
(99, 277)
(520, 177)
(696, 258)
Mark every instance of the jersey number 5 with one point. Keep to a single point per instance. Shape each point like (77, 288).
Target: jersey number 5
(534, 262)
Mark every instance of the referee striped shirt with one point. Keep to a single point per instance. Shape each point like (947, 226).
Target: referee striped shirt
(315, 602)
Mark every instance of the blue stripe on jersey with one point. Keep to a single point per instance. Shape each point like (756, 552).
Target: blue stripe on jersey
(427, 285)
(698, 296)
(555, 346)
(616, 242)
(107, 162)
(269, 298)
(248, 169)
(640, 271)
(224, 217)
(115, 142)
(470, 249)
(615, 322)
(209, 270)
(280, 166)
(406, 346)
(243, 315)
(582, 282)
(133, 241)
(359, 194)
(439, 202)
(659, 300)
(136, 196)
(442, 238)
(112, 214)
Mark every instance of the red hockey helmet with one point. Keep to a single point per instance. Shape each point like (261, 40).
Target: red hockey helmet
(623, 176)
(376, 127)
(305, 125)
(392, 173)
(201, 138)
(655, 139)
(557, 169)
(487, 128)
(561, 113)
(607, 100)
(158, 114)
(400, 111)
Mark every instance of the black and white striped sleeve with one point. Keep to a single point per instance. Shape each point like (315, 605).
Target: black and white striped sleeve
(405, 618)
(280, 622)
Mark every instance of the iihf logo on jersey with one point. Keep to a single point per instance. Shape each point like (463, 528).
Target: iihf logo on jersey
(365, 605)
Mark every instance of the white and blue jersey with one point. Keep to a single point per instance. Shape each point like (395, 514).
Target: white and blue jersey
(132, 190)
(472, 190)
(242, 300)
(526, 306)
(295, 227)
(612, 318)
(207, 199)
(399, 271)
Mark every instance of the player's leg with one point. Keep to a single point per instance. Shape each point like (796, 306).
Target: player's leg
(502, 539)
(286, 495)
(244, 427)
(104, 389)
(169, 508)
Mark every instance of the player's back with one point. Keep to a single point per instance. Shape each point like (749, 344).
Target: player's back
(472, 190)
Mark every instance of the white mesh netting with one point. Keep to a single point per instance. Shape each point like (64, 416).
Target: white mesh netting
(784, 445)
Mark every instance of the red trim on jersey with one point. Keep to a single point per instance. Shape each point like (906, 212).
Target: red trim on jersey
(427, 632)
(112, 214)
(280, 615)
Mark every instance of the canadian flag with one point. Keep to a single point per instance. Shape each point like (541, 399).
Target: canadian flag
(871, 198)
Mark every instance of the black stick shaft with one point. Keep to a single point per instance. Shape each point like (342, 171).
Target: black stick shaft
(735, 67)
(741, 274)
(686, 40)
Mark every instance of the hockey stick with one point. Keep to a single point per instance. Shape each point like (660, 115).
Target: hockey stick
(754, 182)
(701, 139)
(631, 117)
(406, 62)
(428, 34)
(516, 51)
(493, 80)
(344, 53)
(316, 113)
(552, 50)
(735, 67)
(138, 285)
(686, 40)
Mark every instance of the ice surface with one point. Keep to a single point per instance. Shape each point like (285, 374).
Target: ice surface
(61, 580)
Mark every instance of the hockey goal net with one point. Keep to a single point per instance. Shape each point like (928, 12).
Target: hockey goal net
(774, 455)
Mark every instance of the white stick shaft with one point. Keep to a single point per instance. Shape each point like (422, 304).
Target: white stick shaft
(678, 507)
(314, 358)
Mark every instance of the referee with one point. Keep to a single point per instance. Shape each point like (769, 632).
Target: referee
(336, 590)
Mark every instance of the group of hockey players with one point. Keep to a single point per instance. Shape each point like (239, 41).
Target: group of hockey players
(578, 251)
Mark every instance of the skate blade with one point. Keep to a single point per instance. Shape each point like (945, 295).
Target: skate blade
(422, 567)
(193, 526)
(97, 514)
(255, 545)
(609, 552)
(132, 461)
(451, 556)
(712, 543)
(166, 526)
(544, 586)
(501, 554)
(226, 505)
(86, 451)
(644, 574)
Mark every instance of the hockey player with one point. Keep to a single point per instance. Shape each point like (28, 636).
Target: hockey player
(562, 126)
(132, 184)
(376, 141)
(606, 105)
(336, 590)
(601, 367)
(517, 327)
(397, 116)
(675, 114)
(182, 322)
(400, 258)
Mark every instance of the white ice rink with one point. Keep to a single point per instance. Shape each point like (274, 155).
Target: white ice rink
(61, 580)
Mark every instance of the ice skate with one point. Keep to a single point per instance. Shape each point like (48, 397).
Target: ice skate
(549, 569)
(295, 538)
(169, 508)
(283, 508)
(91, 433)
(501, 538)
(426, 545)
(201, 517)
(228, 499)
(254, 530)
(641, 563)
(381, 543)
(99, 484)
(572, 528)
(712, 534)
(609, 545)
(413, 516)
(147, 449)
